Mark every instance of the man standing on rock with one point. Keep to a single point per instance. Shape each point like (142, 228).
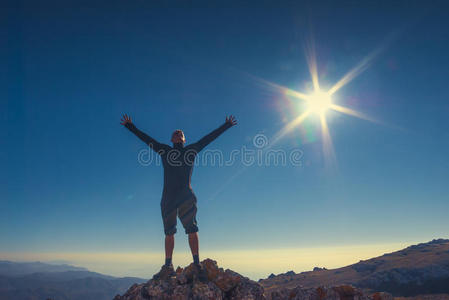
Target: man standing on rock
(178, 198)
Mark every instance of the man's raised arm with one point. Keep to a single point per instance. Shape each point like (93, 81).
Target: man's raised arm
(230, 121)
(155, 145)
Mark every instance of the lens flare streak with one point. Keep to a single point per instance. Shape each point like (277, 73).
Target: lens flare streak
(321, 101)
(353, 113)
(328, 147)
(290, 126)
(311, 62)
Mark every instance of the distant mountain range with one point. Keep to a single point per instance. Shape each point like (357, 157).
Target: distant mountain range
(421, 269)
(415, 270)
(9, 268)
(40, 281)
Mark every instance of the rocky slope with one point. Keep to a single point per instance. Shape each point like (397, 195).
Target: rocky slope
(227, 284)
(415, 270)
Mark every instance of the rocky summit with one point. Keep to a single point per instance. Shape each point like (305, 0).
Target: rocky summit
(220, 284)
(227, 284)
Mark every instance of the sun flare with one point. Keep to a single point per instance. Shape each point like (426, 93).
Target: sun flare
(319, 102)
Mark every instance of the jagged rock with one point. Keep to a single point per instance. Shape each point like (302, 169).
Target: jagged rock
(382, 296)
(247, 290)
(342, 292)
(205, 291)
(229, 285)
(221, 284)
(338, 292)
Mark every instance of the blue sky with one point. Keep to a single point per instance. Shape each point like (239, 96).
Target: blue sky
(70, 179)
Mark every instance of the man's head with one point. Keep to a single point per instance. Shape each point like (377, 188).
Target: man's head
(178, 137)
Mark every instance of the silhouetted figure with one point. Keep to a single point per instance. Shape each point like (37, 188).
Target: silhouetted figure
(178, 198)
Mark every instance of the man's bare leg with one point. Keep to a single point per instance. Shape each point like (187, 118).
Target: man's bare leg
(169, 246)
(194, 246)
(167, 269)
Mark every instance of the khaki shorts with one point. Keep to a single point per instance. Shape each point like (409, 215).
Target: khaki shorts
(182, 207)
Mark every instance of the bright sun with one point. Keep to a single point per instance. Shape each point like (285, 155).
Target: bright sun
(319, 102)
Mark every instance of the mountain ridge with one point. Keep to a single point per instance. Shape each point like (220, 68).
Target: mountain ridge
(420, 268)
(18, 268)
(62, 282)
(413, 271)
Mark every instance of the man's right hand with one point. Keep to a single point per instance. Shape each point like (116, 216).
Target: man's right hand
(125, 120)
(231, 120)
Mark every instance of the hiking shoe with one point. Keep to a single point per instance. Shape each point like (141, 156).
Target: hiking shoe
(165, 273)
(201, 273)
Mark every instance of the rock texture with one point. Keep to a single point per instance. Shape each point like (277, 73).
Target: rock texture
(220, 284)
(342, 292)
(227, 284)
